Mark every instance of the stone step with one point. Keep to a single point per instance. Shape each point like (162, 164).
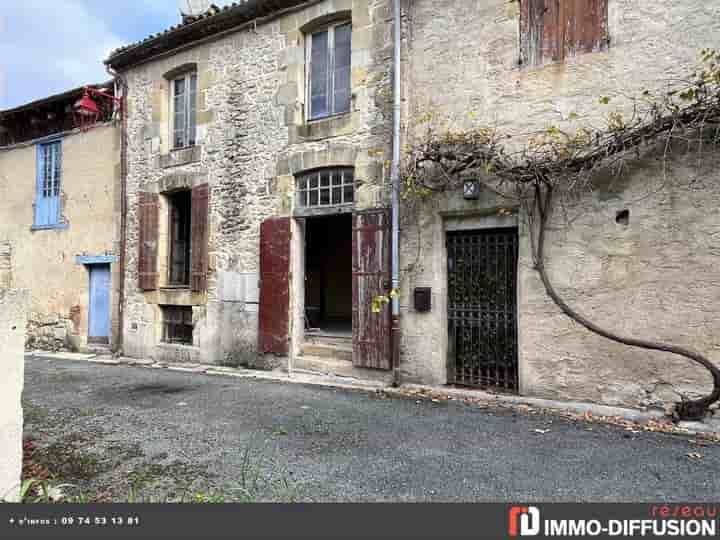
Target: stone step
(343, 341)
(323, 365)
(327, 350)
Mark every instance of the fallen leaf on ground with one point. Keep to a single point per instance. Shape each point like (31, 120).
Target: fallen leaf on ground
(542, 431)
(694, 455)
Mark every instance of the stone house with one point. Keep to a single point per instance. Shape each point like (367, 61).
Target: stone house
(258, 183)
(60, 206)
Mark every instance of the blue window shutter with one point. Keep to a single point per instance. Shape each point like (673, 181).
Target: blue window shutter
(48, 184)
(40, 206)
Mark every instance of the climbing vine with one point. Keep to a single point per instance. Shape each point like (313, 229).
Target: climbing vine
(541, 171)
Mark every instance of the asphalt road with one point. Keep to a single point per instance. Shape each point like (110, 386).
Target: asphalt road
(309, 443)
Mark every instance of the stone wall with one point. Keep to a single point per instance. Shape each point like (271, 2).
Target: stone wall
(13, 304)
(653, 278)
(252, 140)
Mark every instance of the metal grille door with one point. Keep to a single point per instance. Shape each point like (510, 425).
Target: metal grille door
(482, 296)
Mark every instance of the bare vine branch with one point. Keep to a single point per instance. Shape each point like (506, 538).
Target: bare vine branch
(547, 166)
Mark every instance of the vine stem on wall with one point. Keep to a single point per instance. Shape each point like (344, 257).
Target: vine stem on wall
(685, 410)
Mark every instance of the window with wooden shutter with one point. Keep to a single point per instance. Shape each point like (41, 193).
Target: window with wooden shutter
(148, 207)
(199, 238)
(49, 175)
(552, 30)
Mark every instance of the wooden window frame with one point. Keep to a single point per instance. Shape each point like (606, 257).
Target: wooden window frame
(177, 316)
(189, 132)
(305, 191)
(330, 29)
(171, 208)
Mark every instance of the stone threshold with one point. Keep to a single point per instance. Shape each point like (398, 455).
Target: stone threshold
(651, 420)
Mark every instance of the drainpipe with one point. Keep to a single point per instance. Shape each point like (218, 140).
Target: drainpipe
(120, 89)
(395, 180)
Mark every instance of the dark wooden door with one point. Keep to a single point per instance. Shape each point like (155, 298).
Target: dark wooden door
(274, 324)
(482, 313)
(371, 278)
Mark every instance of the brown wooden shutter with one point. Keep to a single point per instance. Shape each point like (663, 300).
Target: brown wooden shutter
(371, 278)
(148, 209)
(274, 324)
(551, 30)
(199, 238)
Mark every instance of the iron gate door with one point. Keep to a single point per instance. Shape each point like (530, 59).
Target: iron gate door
(482, 314)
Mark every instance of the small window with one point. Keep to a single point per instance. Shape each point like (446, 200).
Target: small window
(49, 177)
(184, 108)
(326, 187)
(552, 30)
(177, 325)
(180, 208)
(328, 53)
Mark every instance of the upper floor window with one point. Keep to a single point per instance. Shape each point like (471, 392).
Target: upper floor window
(49, 178)
(328, 53)
(552, 30)
(326, 187)
(184, 110)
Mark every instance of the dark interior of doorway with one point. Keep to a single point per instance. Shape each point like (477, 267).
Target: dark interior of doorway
(328, 275)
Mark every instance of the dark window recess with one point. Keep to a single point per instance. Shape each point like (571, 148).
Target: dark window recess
(177, 325)
(552, 30)
(326, 187)
(180, 211)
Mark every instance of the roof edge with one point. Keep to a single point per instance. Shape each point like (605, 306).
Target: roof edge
(212, 23)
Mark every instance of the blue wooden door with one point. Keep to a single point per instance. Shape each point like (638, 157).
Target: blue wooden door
(99, 319)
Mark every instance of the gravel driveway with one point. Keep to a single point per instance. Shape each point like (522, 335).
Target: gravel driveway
(115, 427)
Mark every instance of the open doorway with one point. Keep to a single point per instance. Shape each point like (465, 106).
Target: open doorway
(328, 275)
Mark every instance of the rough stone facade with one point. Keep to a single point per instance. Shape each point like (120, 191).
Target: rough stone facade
(13, 306)
(45, 260)
(252, 140)
(652, 278)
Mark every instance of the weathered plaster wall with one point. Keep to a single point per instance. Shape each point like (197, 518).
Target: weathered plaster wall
(13, 306)
(252, 140)
(654, 278)
(44, 261)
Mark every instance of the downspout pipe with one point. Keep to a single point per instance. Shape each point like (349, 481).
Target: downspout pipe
(121, 89)
(395, 182)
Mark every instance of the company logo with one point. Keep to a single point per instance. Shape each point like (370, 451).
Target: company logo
(524, 521)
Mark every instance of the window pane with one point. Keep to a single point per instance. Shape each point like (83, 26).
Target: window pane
(336, 195)
(341, 102)
(314, 181)
(179, 88)
(313, 198)
(319, 75)
(349, 194)
(325, 196)
(57, 172)
(325, 178)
